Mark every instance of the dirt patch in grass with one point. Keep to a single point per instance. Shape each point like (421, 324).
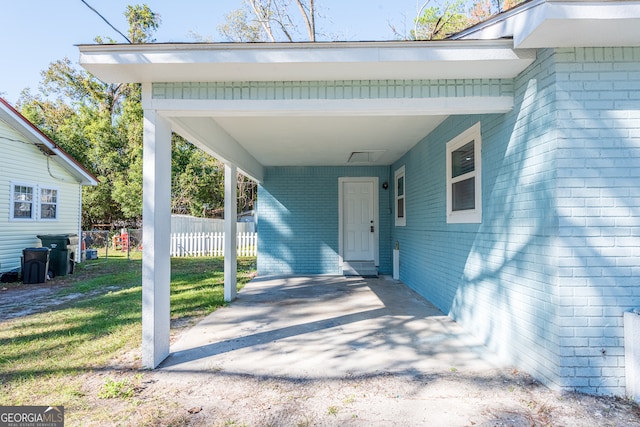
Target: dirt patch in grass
(34, 298)
(19, 299)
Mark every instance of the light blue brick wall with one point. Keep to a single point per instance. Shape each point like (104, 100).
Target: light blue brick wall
(489, 276)
(598, 185)
(547, 275)
(298, 219)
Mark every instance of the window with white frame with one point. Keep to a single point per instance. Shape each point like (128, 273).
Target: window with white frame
(48, 203)
(464, 177)
(30, 202)
(400, 198)
(22, 202)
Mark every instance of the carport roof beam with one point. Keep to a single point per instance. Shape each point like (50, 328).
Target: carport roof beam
(204, 62)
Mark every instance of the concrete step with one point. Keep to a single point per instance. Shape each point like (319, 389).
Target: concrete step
(359, 268)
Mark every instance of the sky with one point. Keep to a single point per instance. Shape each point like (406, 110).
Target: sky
(37, 32)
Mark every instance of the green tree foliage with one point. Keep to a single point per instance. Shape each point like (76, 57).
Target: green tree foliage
(197, 180)
(101, 125)
(439, 22)
(143, 23)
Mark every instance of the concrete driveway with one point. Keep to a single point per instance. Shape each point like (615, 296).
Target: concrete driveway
(326, 327)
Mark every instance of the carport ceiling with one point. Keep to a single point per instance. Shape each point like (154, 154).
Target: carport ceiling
(327, 141)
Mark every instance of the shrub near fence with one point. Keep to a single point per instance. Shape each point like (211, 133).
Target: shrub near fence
(211, 244)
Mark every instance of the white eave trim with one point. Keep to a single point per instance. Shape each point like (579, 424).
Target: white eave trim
(566, 23)
(204, 62)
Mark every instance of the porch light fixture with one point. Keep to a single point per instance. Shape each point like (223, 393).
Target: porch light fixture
(368, 156)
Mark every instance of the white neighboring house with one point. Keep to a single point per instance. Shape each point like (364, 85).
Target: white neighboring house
(40, 187)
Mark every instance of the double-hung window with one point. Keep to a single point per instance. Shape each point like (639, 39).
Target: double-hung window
(32, 202)
(464, 177)
(22, 202)
(400, 198)
(48, 203)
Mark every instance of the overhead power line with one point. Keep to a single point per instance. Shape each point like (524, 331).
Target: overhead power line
(105, 20)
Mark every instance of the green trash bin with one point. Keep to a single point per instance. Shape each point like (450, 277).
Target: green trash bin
(63, 252)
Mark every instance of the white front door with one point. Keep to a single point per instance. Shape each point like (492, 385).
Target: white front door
(359, 219)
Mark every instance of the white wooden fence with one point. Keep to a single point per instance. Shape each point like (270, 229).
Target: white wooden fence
(211, 244)
(191, 224)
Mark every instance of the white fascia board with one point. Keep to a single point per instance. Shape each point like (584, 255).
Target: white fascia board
(581, 24)
(386, 107)
(206, 134)
(566, 23)
(304, 61)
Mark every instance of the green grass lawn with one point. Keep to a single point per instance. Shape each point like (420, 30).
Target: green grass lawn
(43, 357)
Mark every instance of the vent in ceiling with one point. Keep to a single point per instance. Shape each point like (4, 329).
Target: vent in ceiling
(368, 156)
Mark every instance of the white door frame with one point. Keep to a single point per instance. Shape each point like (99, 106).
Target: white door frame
(376, 218)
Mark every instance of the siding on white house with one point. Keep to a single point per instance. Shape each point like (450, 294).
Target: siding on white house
(23, 162)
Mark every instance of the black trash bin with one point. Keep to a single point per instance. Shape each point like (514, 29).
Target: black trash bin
(63, 252)
(35, 265)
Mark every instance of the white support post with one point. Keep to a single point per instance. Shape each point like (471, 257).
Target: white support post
(632, 354)
(156, 238)
(230, 231)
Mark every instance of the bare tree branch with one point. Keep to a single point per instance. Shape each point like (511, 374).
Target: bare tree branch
(280, 16)
(262, 15)
(419, 14)
(309, 18)
(275, 19)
